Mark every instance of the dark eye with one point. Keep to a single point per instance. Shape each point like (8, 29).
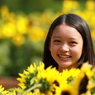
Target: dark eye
(57, 41)
(73, 42)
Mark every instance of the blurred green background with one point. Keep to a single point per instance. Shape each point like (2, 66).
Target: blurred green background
(24, 25)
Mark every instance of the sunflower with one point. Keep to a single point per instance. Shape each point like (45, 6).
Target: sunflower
(34, 67)
(69, 75)
(2, 91)
(48, 78)
(81, 82)
(28, 77)
(87, 69)
(27, 80)
(50, 74)
(66, 89)
(91, 82)
(36, 77)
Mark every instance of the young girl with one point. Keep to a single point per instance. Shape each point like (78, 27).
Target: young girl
(68, 43)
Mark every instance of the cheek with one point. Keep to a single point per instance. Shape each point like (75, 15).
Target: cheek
(53, 49)
(51, 46)
(77, 52)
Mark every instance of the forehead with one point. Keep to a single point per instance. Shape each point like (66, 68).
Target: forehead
(65, 30)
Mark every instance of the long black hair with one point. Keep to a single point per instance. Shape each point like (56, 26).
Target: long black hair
(81, 26)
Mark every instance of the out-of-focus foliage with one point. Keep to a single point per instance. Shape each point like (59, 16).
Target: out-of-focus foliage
(22, 35)
(21, 39)
(28, 6)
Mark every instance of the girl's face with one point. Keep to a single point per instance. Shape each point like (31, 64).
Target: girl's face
(66, 46)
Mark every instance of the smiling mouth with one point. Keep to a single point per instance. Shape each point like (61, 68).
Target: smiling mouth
(62, 56)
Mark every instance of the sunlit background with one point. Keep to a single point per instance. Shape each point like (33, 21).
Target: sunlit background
(24, 25)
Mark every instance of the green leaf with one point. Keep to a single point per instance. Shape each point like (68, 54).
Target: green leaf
(70, 79)
(93, 91)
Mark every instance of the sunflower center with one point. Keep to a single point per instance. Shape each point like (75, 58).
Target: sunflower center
(65, 93)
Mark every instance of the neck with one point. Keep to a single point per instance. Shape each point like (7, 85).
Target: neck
(60, 68)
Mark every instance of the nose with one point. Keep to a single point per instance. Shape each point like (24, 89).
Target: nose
(64, 48)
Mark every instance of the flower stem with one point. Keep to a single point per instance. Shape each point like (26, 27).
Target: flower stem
(31, 88)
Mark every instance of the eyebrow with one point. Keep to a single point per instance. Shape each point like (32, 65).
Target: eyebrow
(56, 36)
(73, 38)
